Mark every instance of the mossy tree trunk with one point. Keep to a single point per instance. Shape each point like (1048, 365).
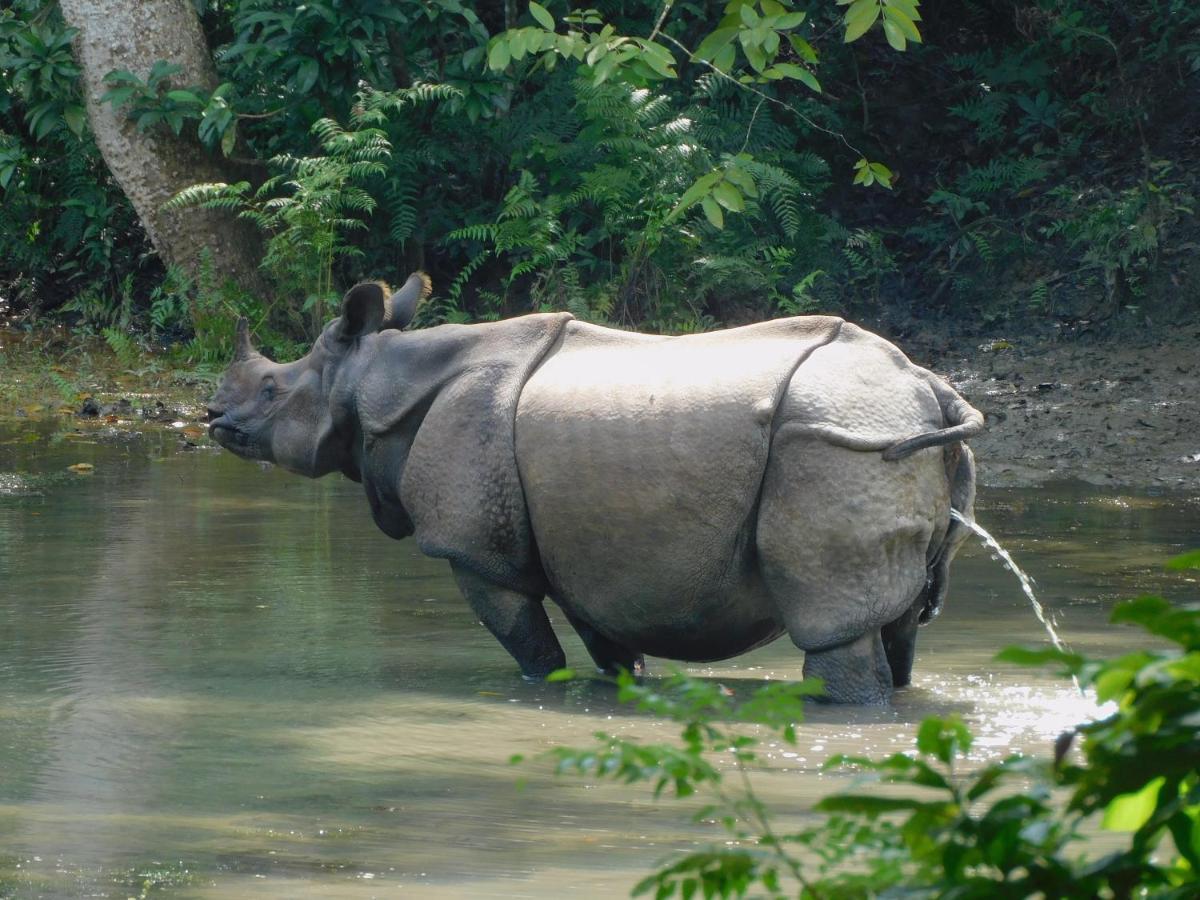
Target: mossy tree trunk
(152, 166)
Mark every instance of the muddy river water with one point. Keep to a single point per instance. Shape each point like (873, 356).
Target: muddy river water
(218, 680)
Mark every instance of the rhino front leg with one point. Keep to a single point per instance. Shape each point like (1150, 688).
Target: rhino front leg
(518, 621)
(856, 672)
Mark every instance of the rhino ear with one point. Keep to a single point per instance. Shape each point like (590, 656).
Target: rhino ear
(402, 305)
(362, 310)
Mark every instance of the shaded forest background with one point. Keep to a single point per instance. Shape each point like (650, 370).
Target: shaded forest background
(1039, 153)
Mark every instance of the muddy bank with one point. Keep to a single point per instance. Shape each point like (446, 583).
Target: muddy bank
(1111, 413)
(1116, 413)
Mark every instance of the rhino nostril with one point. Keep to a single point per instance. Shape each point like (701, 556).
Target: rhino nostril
(214, 413)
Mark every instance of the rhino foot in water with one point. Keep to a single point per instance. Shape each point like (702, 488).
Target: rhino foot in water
(686, 497)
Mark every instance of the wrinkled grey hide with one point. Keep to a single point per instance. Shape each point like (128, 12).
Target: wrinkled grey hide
(687, 497)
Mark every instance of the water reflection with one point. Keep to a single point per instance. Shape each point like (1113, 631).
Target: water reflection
(225, 676)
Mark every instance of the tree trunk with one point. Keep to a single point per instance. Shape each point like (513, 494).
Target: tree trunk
(152, 166)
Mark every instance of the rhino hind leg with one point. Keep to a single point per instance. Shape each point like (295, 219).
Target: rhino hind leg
(518, 621)
(856, 672)
(609, 656)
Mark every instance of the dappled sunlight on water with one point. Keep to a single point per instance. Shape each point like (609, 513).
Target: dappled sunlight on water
(225, 676)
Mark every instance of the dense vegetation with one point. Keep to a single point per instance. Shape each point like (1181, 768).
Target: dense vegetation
(1030, 157)
(930, 823)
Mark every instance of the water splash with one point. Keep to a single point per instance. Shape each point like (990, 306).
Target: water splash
(1026, 582)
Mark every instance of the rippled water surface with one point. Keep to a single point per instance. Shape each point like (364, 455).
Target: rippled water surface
(222, 681)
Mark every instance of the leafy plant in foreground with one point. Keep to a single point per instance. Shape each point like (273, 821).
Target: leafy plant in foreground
(939, 827)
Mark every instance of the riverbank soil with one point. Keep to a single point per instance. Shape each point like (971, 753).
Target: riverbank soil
(1121, 412)
(1109, 411)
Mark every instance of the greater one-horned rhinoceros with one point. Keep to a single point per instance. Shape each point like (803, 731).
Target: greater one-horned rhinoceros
(687, 497)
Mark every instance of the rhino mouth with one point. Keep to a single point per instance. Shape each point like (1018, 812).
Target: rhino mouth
(228, 435)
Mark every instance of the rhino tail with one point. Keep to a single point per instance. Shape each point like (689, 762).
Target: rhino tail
(962, 421)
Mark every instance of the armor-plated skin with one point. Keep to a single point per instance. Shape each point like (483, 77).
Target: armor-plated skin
(688, 497)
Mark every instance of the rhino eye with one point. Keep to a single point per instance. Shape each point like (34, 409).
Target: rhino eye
(268, 389)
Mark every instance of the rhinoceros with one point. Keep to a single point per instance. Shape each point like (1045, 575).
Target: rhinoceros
(688, 497)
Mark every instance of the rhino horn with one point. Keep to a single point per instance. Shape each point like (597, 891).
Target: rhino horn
(243, 349)
(402, 305)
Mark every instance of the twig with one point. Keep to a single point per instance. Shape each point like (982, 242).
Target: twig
(805, 119)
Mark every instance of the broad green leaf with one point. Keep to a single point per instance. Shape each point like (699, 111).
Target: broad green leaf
(803, 49)
(725, 59)
(1129, 812)
(542, 15)
(801, 74)
(561, 674)
(859, 18)
(74, 116)
(894, 35)
(656, 61)
(1025, 656)
(742, 179)
(754, 53)
(306, 74)
(703, 186)
(499, 56)
(908, 7)
(183, 97)
(118, 96)
(715, 42)
(729, 196)
(903, 22)
(712, 211)
(870, 805)
(791, 20)
(516, 43)
(773, 8)
(229, 138)
(1189, 560)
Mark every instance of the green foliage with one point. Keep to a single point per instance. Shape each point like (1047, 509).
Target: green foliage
(64, 225)
(1033, 157)
(305, 212)
(941, 828)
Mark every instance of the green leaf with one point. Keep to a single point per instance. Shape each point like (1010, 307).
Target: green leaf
(542, 15)
(517, 42)
(859, 18)
(903, 22)
(870, 805)
(1027, 656)
(712, 211)
(724, 60)
(1189, 560)
(74, 116)
(729, 197)
(908, 7)
(306, 74)
(561, 675)
(1129, 812)
(229, 139)
(184, 97)
(801, 74)
(498, 56)
(790, 20)
(803, 49)
(702, 187)
(894, 35)
(118, 97)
